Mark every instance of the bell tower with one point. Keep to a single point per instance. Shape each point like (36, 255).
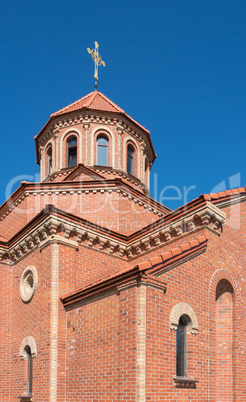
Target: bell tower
(95, 132)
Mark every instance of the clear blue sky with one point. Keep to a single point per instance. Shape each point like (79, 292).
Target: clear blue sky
(177, 67)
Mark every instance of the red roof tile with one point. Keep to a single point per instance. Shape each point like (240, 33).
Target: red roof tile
(95, 101)
(194, 243)
(144, 265)
(156, 260)
(2, 238)
(224, 194)
(176, 251)
(167, 255)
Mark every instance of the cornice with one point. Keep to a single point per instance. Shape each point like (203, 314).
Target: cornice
(207, 216)
(46, 232)
(73, 119)
(77, 232)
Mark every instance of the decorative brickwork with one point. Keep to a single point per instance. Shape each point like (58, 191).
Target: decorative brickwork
(183, 309)
(28, 283)
(28, 341)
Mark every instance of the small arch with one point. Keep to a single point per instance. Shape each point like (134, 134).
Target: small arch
(220, 274)
(102, 150)
(188, 314)
(223, 286)
(30, 342)
(72, 149)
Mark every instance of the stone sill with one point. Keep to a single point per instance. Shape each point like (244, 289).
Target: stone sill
(26, 398)
(184, 382)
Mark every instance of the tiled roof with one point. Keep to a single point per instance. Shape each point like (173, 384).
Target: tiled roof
(2, 238)
(172, 253)
(95, 101)
(225, 194)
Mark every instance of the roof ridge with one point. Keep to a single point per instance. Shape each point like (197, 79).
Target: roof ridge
(111, 103)
(92, 99)
(72, 104)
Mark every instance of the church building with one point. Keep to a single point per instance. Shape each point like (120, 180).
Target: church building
(108, 295)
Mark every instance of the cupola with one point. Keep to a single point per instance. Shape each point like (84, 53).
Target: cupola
(95, 132)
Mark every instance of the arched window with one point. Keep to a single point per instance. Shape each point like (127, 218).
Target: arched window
(130, 159)
(181, 346)
(72, 151)
(29, 369)
(49, 154)
(102, 150)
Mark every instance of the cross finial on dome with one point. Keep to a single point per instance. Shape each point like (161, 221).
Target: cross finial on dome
(97, 60)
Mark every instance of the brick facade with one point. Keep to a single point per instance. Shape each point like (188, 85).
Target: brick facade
(114, 272)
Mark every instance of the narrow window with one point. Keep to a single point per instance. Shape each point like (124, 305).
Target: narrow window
(72, 151)
(102, 150)
(130, 159)
(29, 370)
(49, 153)
(146, 172)
(181, 349)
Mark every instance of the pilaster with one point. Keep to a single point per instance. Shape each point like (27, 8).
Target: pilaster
(54, 321)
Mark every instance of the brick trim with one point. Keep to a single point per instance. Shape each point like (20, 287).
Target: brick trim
(177, 311)
(28, 341)
(224, 274)
(54, 322)
(141, 343)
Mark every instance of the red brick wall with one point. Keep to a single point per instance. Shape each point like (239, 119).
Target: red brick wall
(15, 220)
(32, 319)
(101, 349)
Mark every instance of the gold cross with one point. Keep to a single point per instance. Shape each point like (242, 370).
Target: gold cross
(97, 60)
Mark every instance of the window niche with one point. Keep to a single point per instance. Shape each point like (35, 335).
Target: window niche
(72, 151)
(102, 150)
(28, 351)
(49, 157)
(183, 320)
(130, 159)
(29, 369)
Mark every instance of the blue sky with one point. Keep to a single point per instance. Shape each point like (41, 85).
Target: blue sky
(177, 67)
